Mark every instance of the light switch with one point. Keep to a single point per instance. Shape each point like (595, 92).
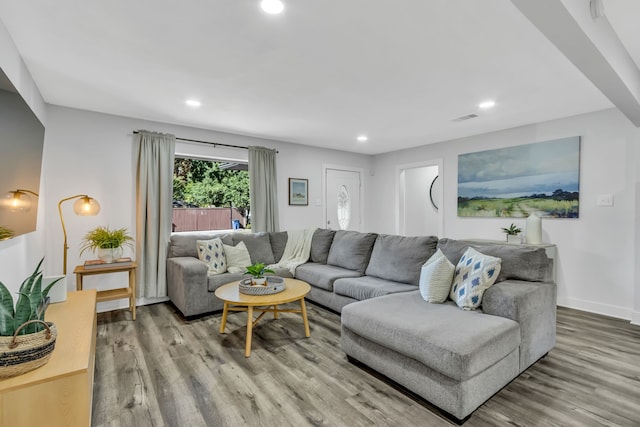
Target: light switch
(605, 200)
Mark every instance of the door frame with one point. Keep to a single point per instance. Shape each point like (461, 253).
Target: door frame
(328, 166)
(400, 226)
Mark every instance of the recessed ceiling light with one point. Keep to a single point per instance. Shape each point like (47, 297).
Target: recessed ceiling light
(193, 103)
(272, 7)
(487, 104)
(362, 138)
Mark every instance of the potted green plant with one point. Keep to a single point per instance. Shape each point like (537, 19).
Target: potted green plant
(257, 272)
(512, 233)
(5, 233)
(107, 243)
(25, 318)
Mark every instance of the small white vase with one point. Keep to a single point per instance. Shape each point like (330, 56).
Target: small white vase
(513, 238)
(534, 229)
(258, 281)
(109, 255)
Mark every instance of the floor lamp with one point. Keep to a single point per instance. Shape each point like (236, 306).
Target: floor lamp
(84, 206)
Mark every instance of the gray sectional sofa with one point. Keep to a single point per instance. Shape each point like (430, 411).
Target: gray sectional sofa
(453, 358)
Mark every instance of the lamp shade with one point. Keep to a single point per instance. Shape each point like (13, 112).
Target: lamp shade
(18, 201)
(86, 206)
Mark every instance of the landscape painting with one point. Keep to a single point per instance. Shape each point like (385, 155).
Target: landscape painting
(542, 177)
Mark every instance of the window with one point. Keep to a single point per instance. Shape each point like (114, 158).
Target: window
(210, 195)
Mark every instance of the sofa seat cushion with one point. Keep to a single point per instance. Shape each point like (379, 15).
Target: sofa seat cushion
(366, 287)
(400, 258)
(457, 343)
(321, 275)
(351, 250)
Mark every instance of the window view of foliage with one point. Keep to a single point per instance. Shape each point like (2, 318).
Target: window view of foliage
(203, 184)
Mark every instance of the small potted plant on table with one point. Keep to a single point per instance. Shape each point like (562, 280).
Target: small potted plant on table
(257, 272)
(107, 243)
(512, 233)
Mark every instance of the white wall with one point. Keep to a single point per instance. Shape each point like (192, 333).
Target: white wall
(92, 153)
(596, 253)
(19, 256)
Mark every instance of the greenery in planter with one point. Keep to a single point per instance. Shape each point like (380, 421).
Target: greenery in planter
(31, 305)
(5, 233)
(511, 231)
(103, 238)
(258, 270)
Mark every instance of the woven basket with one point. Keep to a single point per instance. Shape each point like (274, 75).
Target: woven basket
(24, 353)
(274, 285)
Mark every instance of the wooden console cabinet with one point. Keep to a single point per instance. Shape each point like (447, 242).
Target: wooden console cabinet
(59, 393)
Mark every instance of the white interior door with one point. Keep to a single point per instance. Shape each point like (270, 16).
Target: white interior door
(419, 201)
(342, 198)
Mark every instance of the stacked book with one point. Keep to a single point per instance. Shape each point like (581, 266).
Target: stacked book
(98, 263)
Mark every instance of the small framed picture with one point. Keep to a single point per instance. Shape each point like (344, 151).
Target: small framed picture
(298, 191)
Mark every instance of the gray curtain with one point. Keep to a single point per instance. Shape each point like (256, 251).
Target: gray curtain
(263, 188)
(154, 181)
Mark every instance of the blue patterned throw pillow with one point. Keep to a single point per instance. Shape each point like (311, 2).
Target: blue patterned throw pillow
(474, 274)
(212, 253)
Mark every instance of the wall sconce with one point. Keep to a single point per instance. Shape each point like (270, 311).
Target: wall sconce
(18, 200)
(84, 206)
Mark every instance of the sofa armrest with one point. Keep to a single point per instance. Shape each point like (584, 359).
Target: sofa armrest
(533, 306)
(186, 276)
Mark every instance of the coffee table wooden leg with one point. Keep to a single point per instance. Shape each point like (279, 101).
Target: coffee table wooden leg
(275, 311)
(303, 308)
(223, 322)
(247, 349)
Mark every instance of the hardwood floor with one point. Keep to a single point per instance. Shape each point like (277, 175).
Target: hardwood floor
(164, 371)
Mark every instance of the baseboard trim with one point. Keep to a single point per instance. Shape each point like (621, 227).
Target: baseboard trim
(597, 308)
(635, 318)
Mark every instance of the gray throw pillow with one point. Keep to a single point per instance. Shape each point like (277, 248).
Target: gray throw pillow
(351, 250)
(278, 241)
(400, 258)
(183, 244)
(528, 263)
(320, 245)
(258, 245)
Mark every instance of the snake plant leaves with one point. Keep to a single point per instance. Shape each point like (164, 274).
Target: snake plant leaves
(6, 311)
(23, 312)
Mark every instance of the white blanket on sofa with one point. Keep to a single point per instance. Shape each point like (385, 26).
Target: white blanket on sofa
(296, 251)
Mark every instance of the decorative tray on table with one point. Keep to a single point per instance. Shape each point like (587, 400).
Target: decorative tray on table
(273, 285)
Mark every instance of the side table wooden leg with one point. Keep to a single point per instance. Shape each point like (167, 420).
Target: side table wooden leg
(275, 311)
(223, 322)
(247, 349)
(132, 297)
(303, 309)
(78, 281)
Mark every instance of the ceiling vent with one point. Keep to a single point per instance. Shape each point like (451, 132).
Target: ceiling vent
(463, 118)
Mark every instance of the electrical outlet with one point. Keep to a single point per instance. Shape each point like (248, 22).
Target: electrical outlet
(605, 200)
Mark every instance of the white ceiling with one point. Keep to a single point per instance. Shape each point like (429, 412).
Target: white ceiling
(319, 74)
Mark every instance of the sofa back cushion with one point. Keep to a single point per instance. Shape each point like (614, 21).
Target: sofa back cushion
(320, 245)
(400, 258)
(258, 245)
(528, 263)
(351, 250)
(278, 241)
(183, 244)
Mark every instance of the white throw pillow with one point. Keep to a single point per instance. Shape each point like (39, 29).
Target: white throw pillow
(212, 253)
(475, 273)
(435, 278)
(238, 258)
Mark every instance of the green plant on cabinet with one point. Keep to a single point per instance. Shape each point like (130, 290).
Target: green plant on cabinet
(103, 238)
(32, 304)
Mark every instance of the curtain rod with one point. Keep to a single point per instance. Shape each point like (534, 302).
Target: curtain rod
(208, 142)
